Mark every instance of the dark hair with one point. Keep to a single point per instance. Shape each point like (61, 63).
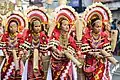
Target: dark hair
(10, 23)
(93, 21)
(103, 28)
(114, 21)
(118, 22)
(32, 24)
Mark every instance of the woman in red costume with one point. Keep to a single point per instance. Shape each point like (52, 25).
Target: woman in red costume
(62, 42)
(37, 40)
(96, 45)
(12, 39)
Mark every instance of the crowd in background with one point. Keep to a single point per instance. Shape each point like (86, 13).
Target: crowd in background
(116, 26)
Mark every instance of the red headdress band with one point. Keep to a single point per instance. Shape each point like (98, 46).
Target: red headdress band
(18, 17)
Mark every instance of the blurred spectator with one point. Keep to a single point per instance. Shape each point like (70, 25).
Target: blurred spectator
(118, 39)
(118, 28)
(113, 27)
(36, 3)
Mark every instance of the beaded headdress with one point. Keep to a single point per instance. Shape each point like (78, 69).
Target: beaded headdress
(34, 13)
(97, 10)
(67, 13)
(18, 17)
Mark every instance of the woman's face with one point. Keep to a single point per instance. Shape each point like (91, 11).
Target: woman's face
(65, 25)
(13, 27)
(97, 27)
(37, 26)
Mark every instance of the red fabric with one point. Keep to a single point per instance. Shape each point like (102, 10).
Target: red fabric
(28, 37)
(60, 64)
(6, 36)
(9, 61)
(87, 39)
(43, 41)
(56, 35)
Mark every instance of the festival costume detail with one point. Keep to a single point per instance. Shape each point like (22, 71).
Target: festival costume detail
(63, 45)
(96, 45)
(1, 25)
(36, 44)
(12, 39)
(2, 56)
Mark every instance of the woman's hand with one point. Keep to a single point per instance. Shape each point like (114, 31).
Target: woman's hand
(20, 55)
(5, 52)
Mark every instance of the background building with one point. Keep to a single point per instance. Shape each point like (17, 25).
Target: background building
(114, 6)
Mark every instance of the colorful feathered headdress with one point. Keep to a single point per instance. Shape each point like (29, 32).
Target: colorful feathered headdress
(18, 17)
(97, 10)
(35, 13)
(66, 12)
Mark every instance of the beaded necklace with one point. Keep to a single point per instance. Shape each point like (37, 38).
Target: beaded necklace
(96, 40)
(12, 40)
(64, 39)
(35, 40)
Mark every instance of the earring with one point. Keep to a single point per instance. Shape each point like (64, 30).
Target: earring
(58, 25)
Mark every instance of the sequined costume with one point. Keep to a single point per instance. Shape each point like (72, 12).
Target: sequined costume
(36, 41)
(61, 65)
(90, 43)
(12, 42)
(96, 67)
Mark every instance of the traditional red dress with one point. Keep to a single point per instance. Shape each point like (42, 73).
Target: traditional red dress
(41, 46)
(61, 65)
(95, 68)
(9, 65)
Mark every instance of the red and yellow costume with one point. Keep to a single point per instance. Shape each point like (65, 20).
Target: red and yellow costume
(91, 44)
(12, 42)
(61, 66)
(96, 68)
(36, 41)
